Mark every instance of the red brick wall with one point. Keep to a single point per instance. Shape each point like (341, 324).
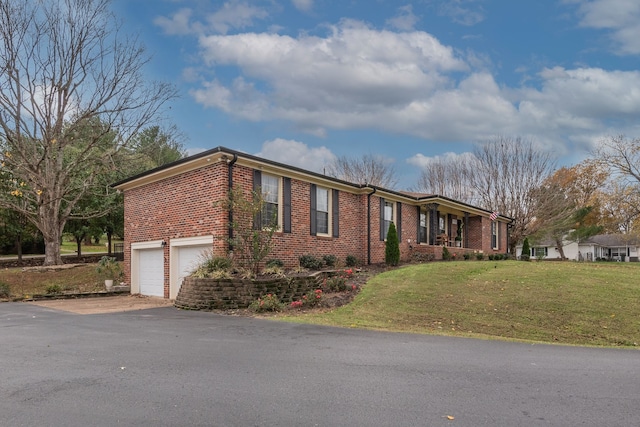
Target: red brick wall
(289, 246)
(180, 206)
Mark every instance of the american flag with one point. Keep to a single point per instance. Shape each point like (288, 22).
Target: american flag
(494, 216)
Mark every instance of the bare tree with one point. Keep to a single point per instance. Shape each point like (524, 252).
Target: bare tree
(622, 156)
(621, 203)
(65, 66)
(368, 169)
(503, 174)
(447, 177)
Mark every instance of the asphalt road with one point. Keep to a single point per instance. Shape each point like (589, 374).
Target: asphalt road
(165, 367)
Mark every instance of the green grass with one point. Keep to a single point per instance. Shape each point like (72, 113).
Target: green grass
(24, 283)
(562, 302)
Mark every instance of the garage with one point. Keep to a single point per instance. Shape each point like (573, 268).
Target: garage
(151, 272)
(186, 253)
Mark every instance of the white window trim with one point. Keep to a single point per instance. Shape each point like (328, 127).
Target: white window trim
(394, 204)
(497, 228)
(329, 212)
(280, 212)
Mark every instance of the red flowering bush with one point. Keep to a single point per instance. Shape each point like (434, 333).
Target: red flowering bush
(267, 303)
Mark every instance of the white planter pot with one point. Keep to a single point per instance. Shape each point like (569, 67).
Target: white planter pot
(108, 284)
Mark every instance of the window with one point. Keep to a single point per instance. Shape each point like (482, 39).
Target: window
(387, 218)
(422, 233)
(441, 228)
(271, 196)
(322, 210)
(276, 195)
(539, 252)
(494, 234)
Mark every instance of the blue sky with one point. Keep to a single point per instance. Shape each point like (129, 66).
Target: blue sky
(303, 81)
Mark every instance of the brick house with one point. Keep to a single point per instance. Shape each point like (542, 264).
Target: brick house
(172, 216)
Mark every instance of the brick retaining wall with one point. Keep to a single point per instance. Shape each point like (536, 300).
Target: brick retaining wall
(216, 294)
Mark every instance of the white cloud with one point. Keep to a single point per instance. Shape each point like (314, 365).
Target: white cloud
(297, 154)
(303, 5)
(463, 12)
(422, 161)
(621, 17)
(353, 77)
(178, 24)
(408, 83)
(405, 20)
(234, 14)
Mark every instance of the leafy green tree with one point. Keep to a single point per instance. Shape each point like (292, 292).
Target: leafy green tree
(392, 246)
(155, 146)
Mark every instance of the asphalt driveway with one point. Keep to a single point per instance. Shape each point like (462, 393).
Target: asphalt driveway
(166, 367)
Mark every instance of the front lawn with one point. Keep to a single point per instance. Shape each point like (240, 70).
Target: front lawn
(562, 302)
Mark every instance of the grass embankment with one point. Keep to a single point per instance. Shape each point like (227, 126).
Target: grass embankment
(564, 302)
(22, 283)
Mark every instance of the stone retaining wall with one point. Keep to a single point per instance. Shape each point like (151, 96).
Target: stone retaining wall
(220, 294)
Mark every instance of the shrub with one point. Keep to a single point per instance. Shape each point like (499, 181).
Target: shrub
(274, 263)
(479, 256)
(351, 261)
(392, 246)
(267, 303)
(330, 260)
(5, 290)
(420, 257)
(109, 268)
(53, 289)
(466, 256)
(210, 266)
(310, 262)
(251, 242)
(446, 255)
(274, 267)
(312, 298)
(526, 250)
(491, 257)
(275, 271)
(338, 282)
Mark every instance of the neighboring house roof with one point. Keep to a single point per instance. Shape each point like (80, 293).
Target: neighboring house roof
(613, 240)
(231, 156)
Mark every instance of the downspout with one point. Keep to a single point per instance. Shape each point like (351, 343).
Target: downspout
(369, 225)
(230, 164)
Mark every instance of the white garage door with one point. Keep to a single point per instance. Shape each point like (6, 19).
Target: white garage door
(151, 272)
(188, 259)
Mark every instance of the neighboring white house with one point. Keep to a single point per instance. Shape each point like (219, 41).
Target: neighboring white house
(612, 247)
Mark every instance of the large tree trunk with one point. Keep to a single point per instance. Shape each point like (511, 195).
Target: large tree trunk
(52, 251)
(52, 233)
(560, 248)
